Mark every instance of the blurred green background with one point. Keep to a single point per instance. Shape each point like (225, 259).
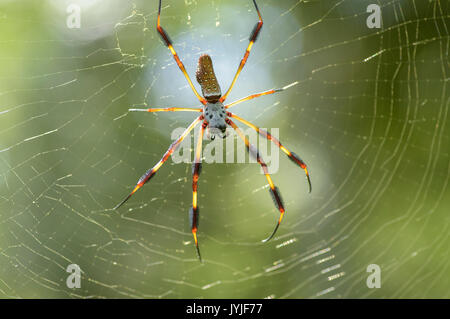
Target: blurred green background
(369, 115)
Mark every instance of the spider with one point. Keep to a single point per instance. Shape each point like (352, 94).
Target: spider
(214, 116)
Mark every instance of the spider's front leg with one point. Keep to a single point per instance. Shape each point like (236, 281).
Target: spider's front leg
(273, 189)
(292, 156)
(151, 172)
(196, 170)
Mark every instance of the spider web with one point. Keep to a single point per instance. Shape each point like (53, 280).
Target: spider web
(369, 115)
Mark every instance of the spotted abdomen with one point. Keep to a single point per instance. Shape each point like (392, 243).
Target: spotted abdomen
(207, 79)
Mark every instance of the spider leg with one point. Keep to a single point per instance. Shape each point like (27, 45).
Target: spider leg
(252, 39)
(273, 189)
(196, 170)
(167, 109)
(252, 96)
(292, 156)
(151, 172)
(168, 43)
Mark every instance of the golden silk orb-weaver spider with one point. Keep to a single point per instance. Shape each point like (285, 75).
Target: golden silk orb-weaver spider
(215, 116)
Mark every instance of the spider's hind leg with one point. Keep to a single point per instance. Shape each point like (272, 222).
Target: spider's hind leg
(168, 42)
(252, 39)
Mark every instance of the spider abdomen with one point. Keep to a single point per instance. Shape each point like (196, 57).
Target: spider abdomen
(207, 79)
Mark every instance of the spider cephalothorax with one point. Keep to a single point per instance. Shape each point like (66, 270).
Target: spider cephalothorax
(215, 117)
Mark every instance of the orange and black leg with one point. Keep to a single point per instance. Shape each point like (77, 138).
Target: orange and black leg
(167, 109)
(252, 96)
(151, 172)
(252, 40)
(255, 95)
(196, 170)
(292, 156)
(165, 37)
(273, 189)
